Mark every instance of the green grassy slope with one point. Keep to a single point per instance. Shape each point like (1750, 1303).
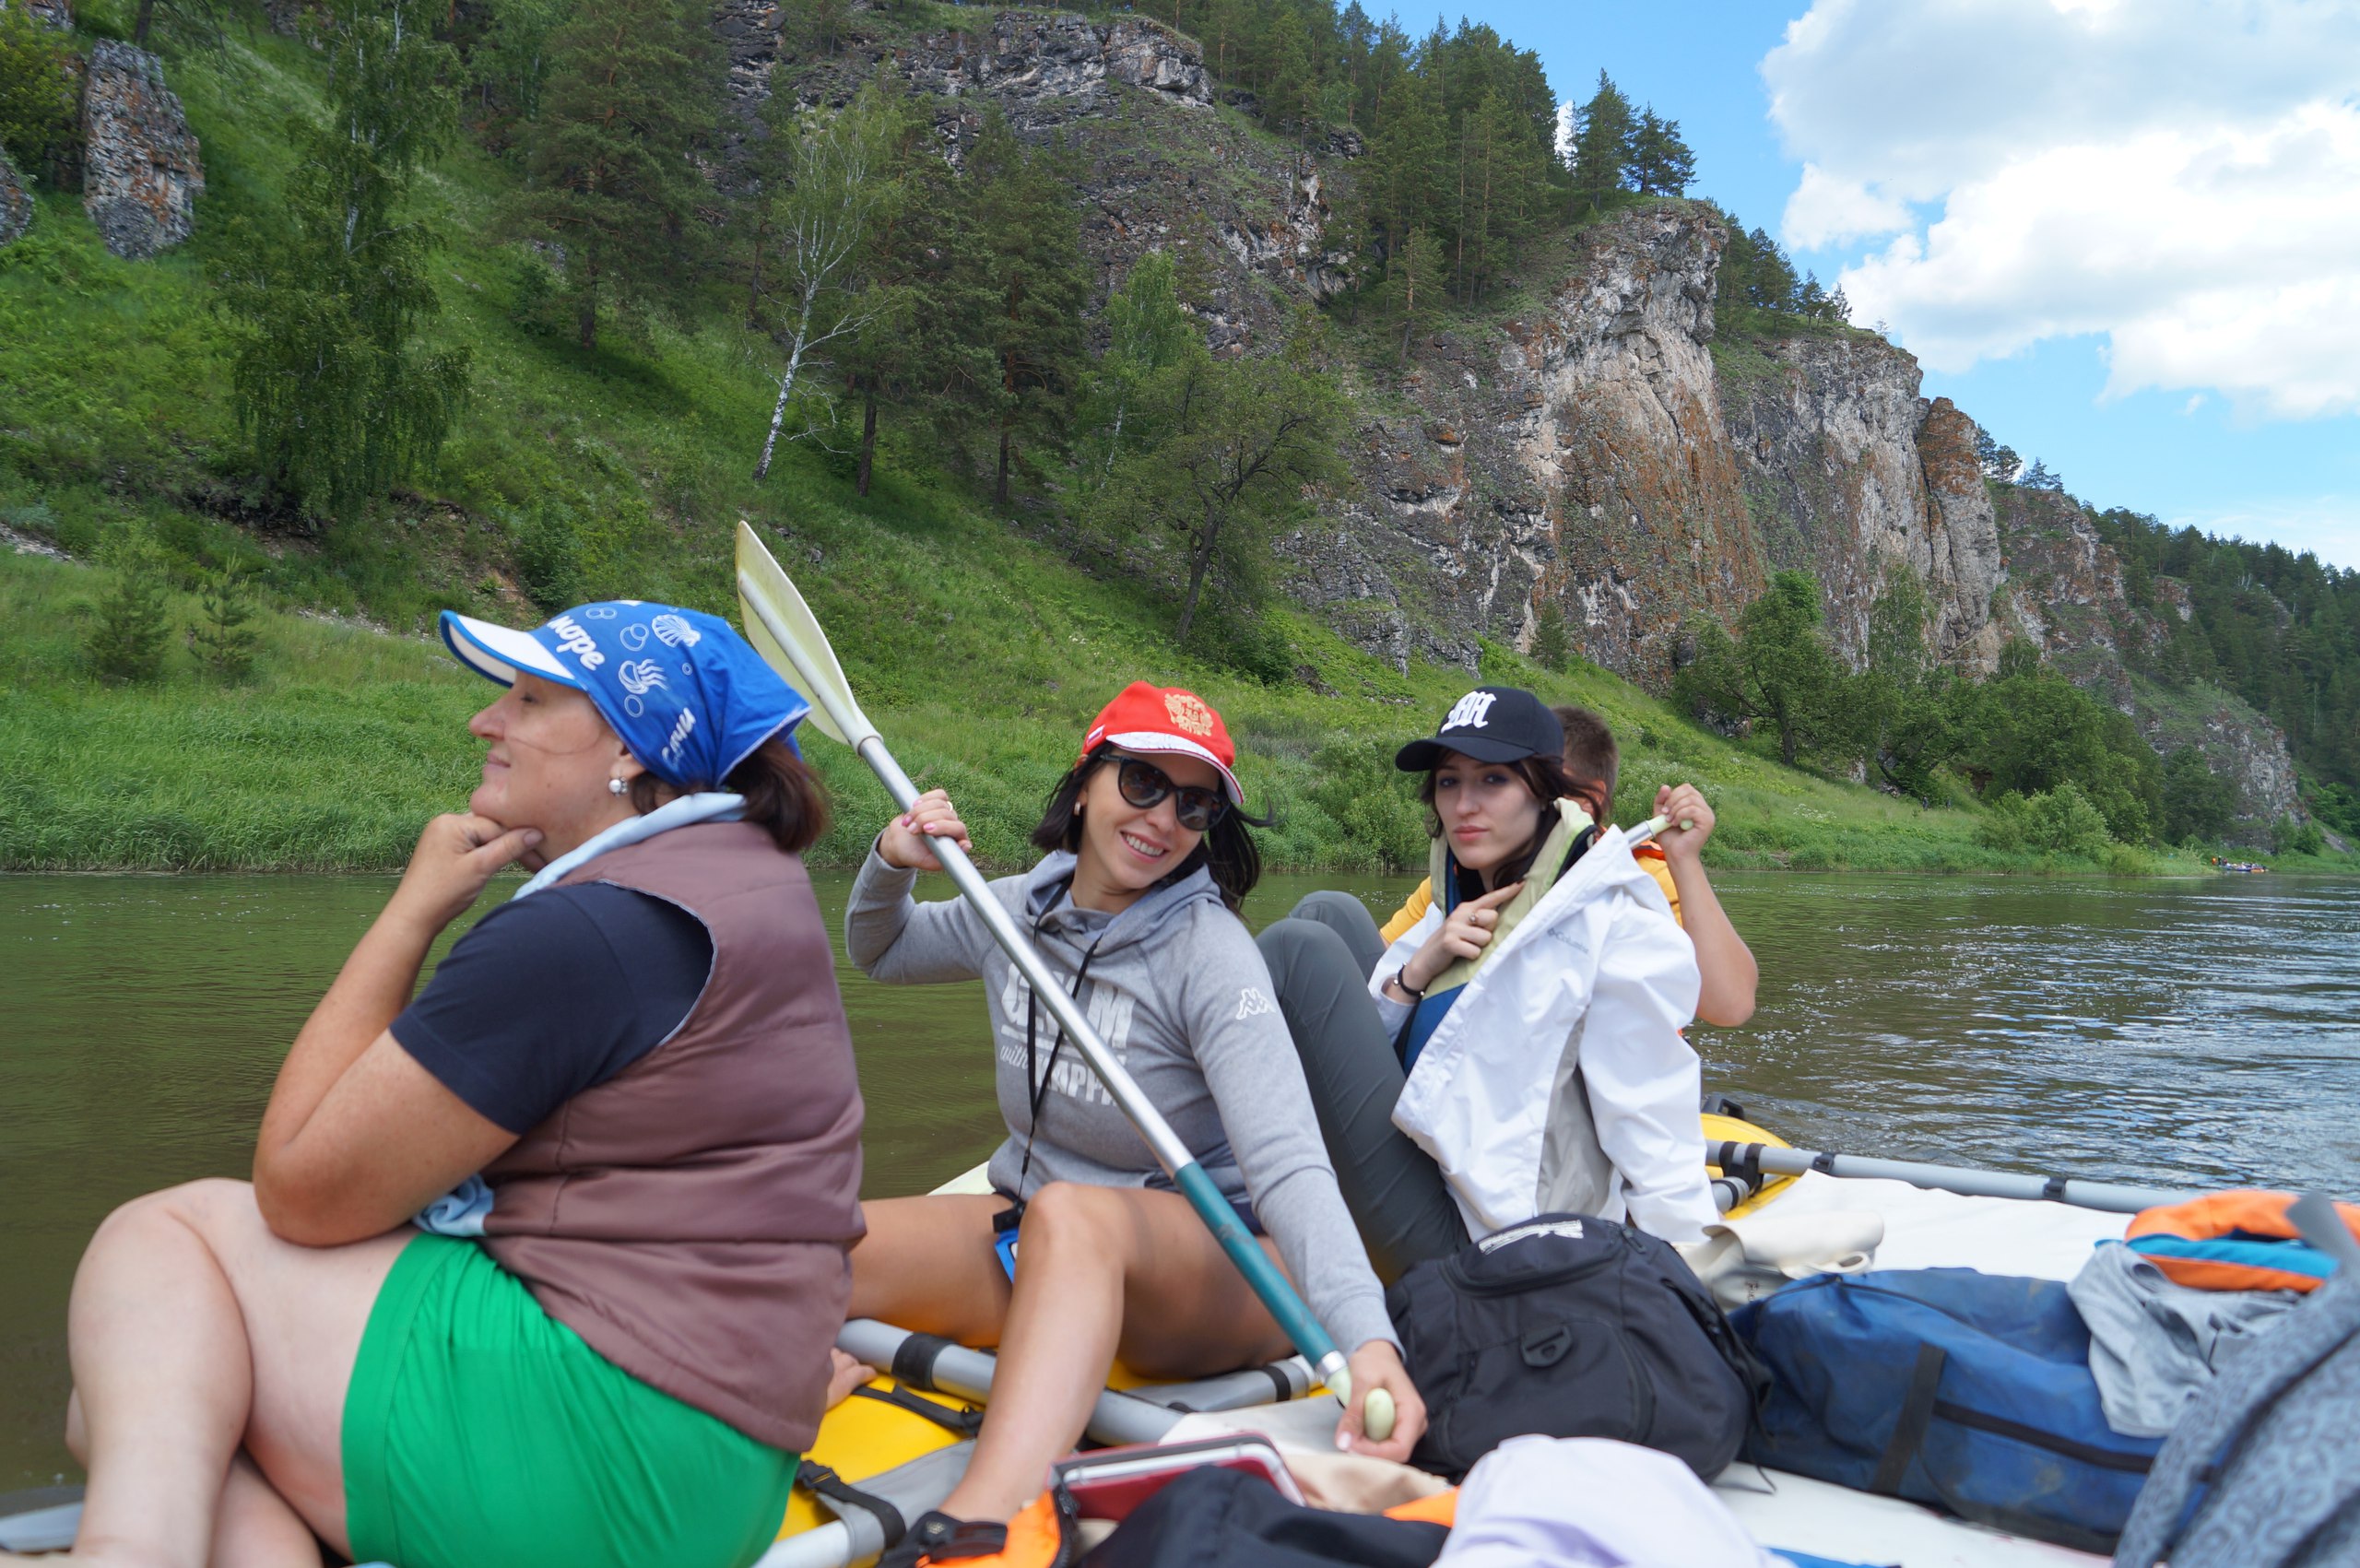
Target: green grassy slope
(982, 650)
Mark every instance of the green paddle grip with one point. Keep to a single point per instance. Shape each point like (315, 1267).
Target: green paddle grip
(1294, 1317)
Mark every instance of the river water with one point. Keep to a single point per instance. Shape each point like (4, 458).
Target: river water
(2197, 1033)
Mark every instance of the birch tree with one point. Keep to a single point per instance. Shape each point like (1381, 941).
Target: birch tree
(835, 192)
(1146, 331)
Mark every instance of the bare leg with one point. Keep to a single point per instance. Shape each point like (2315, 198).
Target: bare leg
(196, 1332)
(252, 1526)
(927, 1264)
(256, 1527)
(1105, 1271)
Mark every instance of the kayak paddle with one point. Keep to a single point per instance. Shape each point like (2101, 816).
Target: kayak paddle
(782, 629)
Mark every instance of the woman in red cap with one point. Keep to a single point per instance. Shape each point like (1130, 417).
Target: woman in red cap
(1133, 909)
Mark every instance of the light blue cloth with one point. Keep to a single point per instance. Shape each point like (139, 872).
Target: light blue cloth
(462, 1210)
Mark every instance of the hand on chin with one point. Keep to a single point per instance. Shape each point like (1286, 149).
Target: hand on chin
(486, 803)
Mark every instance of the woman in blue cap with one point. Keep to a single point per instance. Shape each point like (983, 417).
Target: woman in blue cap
(545, 1265)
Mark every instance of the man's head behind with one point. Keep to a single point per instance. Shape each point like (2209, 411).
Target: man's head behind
(1591, 758)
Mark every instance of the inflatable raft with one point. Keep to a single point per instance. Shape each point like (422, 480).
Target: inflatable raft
(910, 1459)
(902, 1445)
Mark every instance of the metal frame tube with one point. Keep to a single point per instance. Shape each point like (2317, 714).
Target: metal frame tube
(2106, 1197)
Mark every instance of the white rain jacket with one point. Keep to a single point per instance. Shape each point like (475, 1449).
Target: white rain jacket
(1558, 1081)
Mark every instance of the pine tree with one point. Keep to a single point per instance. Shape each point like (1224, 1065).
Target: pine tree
(921, 354)
(222, 640)
(1414, 282)
(1290, 87)
(1403, 164)
(1028, 245)
(1504, 177)
(1662, 163)
(608, 173)
(1601, 148)
(126, 643)
(329, 378)
(1553, 642)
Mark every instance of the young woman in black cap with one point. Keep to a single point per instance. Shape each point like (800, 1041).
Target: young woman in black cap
(1517, 1051)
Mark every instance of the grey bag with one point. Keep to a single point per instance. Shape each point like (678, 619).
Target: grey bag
(2263, 1471)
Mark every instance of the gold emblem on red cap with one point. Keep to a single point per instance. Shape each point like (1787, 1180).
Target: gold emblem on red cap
(1186, 713)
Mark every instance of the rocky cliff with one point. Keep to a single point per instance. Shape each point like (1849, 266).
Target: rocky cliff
(140, 173)
(1610, 456)
(1603, 448)
(16, 202)
(1134, 103)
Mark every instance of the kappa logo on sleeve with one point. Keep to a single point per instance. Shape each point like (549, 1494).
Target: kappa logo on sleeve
(1251, 1003)
(1470, 712)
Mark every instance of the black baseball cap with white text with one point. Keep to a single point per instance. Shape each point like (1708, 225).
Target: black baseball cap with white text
(1491, 724)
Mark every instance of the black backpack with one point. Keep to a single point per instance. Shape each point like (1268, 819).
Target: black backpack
(1571, 1326)
(1216, 1518)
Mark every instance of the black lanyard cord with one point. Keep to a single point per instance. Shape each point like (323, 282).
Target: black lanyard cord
(1037, 1086)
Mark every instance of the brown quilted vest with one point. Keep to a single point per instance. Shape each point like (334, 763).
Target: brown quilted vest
(692, 1218)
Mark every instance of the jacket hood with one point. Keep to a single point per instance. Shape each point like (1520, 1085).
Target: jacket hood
(1157, 911)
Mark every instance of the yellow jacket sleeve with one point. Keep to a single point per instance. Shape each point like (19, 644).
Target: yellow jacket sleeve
(1410, 913)
(1652, 861)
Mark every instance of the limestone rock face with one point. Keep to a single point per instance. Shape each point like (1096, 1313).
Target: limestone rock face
(1575, 460)
(1029, 58)
(1964, 540)
(58, 14)
(1826, 432)
(140, 175)
(1609, 460)
(1126, 97)
(16, 202)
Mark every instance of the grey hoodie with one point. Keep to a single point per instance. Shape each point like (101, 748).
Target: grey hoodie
(1179, 992)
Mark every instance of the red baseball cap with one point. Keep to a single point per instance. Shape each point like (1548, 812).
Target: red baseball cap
(1165, 718)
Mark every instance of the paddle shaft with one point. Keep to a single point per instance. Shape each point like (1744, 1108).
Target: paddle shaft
(1195, 1184)
(2106, 1197)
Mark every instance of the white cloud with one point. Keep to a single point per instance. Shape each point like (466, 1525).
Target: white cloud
(2182, 176)
(1825, 210)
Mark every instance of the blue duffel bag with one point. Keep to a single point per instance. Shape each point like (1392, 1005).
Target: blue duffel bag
(1968, 1391)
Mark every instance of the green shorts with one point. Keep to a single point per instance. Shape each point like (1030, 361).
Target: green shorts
(478, 1430)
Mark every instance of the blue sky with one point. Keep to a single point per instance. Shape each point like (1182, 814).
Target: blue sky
(2124, 235)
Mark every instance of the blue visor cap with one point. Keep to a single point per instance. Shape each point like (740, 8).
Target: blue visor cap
(689, 696)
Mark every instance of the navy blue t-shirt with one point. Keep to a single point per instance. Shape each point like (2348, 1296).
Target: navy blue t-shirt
(555, 993)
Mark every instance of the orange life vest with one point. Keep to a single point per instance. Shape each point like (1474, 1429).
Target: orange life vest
(2240, 1240)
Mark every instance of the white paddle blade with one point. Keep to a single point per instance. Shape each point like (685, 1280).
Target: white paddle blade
(782, 629)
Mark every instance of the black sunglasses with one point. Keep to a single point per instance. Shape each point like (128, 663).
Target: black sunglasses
(1144, 785)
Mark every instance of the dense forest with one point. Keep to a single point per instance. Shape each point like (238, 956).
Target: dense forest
(930, 303)
(2280, 629)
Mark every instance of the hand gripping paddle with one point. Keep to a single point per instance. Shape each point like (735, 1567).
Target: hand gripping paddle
(782, 629)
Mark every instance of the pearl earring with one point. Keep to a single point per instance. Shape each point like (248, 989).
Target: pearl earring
(616, 786)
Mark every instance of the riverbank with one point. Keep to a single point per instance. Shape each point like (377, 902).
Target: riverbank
(347, 736)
